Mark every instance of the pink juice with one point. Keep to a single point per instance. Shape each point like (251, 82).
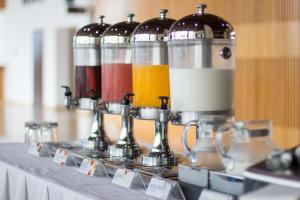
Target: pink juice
(116, 81)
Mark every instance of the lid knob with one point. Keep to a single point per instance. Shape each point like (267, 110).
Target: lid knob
(201, 8)
(130, 17)
(163, 13)
(100, 19)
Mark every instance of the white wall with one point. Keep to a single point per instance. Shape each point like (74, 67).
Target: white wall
(1, 40)
(17, 23)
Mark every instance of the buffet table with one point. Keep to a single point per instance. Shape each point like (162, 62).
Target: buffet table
(27, 177)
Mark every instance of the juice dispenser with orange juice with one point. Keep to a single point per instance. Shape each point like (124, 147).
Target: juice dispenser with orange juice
(150, 74)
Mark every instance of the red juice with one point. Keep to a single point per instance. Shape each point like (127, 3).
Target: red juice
(116, 81)
(88, 78)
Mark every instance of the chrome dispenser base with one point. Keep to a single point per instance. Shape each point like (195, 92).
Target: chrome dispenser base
(160, 154)
(182, 118)
(148, 113)
(158, 159)
(98, 139)
(124, 151)
(126, 145)
(113, 108)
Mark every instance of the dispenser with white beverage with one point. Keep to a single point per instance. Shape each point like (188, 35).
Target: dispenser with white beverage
(202, 62)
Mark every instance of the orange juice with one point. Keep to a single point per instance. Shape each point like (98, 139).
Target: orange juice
(150, 82)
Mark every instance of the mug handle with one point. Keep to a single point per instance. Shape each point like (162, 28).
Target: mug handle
(219, 136)
(184, 136)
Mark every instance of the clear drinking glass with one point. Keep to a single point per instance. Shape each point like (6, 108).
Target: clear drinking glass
(33, 133)
(49, 132)
(40, 132)
(241, 144)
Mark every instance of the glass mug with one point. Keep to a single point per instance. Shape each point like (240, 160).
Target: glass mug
(203, 154)
(241, 144)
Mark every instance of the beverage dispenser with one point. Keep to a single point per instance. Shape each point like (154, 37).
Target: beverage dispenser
(87, 60)
(202, 65)
(150, 69)
(117, 82)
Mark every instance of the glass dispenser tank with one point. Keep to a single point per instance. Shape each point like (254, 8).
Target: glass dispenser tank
(116, 61)
(202, 65)
(150, 69)
(150, 62)
(87, 59)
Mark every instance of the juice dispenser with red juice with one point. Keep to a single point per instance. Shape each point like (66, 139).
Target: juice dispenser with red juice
(116, 52)
(87, 60)
(151, 84)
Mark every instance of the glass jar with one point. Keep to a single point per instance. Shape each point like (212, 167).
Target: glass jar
(116, 60)
(150, 66)
(243, 143)
(87, 59)
(33, 133)
(49, 132)
(202, 63)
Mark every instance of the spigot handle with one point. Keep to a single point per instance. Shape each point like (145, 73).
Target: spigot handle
(126, 98)
(164, 102)
(68, 92)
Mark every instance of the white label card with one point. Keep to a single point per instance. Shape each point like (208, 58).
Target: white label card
(61, 156)
(88, 167)
(35, 149)
(159, 188)
(213, 195)
(123, 177)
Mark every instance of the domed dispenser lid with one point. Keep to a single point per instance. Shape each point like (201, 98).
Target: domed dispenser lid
(120, 32)
(201, 25)
(153, 30)
(90, 34)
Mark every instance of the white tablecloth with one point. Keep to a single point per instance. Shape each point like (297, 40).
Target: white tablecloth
(27, 177)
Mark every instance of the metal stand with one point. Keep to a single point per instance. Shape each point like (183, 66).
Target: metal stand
(126, 145)
(97, 140)
(160, 154)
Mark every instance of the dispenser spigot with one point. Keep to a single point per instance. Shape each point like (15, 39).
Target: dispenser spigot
(126, 98)
(94, 97)
(68, 97)
(68, 92)
(164, 102)
(93, 94)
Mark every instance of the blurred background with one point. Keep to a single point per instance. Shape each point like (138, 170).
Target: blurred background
(36, 59)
